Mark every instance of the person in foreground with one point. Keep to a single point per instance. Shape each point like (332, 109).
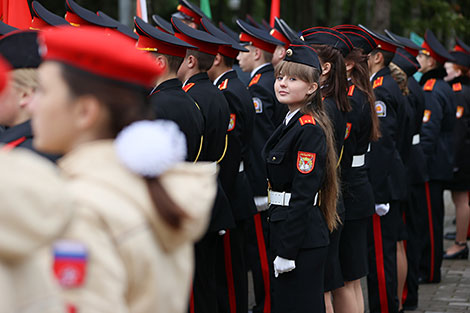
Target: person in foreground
(301, 165)
(129, 247)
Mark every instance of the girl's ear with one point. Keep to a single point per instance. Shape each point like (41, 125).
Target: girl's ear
(312, 88)
(326, 68)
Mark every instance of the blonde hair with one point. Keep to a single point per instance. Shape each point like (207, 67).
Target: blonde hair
(314, 106)
(400, 77)
(25, 79)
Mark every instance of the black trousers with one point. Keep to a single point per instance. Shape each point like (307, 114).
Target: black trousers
(232, 278)
(430, 265)
(204, 294)
(382, 278)
(301, 290)
(257, 260)
(416, 227)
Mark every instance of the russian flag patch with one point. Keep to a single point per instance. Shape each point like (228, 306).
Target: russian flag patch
(70, 263)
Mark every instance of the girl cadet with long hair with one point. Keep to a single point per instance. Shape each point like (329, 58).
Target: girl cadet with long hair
(362, 128)
(303, 187)
(129, 247)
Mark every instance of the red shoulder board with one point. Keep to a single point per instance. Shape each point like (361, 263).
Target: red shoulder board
(188, 86)
(429, 85)
(351, 90)
(223, 85)
(254, 80)
(457, 87)
(307, 119)
(378, 82)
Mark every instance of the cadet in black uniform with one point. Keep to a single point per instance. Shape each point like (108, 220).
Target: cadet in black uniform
(168, 99)
(362, 128)
(457, 77)
(269, 114)
(387, 176)
(417, 173)
(215, 110)
(437, 142)
(301, 163)
(233, 283)
(20, 49)
(331, 47)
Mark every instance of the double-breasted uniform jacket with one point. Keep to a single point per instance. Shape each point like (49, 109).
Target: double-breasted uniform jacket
(170, 102)
(461, 88)
(36, 209)
(357, 192)
(21, 136)
(240, 130)
(416, 165)
(269, 114)
(437, 131)
(215, 111)
(338, 121)
(386, 169)
(131, 259)
(295, 158)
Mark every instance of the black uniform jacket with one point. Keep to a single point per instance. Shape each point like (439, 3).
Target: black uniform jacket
(216, 115)
(21, 136)
(438, 125)
(416, 165)
(240, 130)
(386, 169)
(338, 121)
(269, 114)
(357, 190)
(170, 102)
(295, 158)
(461, 88)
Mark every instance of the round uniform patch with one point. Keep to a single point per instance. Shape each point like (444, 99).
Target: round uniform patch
(381, 108)
(305, 162)
(258, 105)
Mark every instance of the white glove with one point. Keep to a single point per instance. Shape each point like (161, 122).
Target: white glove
(382, 208)
(261, 203)
(222, 232)
(282, 265)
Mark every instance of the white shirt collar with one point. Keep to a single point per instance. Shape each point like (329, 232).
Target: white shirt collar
(290, 115)
(216, 81)
(253, 72)
(370, 79)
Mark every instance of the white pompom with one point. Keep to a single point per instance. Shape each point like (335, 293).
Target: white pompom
(149, 148)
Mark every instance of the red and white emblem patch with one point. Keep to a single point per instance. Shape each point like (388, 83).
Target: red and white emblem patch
(305, 162)
(70, 263)
(348, 130)
(231, 124)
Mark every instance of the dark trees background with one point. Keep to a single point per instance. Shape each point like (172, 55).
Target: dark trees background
(447, 18)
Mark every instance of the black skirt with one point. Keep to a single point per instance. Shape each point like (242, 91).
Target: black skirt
(333, 275)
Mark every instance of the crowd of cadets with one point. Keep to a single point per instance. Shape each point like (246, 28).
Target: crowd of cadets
(399, 143)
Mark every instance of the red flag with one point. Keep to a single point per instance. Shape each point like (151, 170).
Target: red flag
(275, 10)
(141, 10)
(16, 13)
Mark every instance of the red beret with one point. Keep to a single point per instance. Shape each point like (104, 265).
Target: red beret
(4, 74)
(109, 55)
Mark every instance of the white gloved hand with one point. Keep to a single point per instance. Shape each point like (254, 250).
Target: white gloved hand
(282, 265)
(261, 203)
(382, 208)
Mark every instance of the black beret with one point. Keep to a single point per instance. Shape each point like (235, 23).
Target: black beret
(329, 37)
(406, 61)
(299, 52)
(21, 49)
(461, 58)
(358, 37)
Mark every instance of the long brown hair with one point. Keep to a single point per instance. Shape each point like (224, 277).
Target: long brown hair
(336, 84)
(126, 104)
(360, 78)
(314, 107)
(400, 78)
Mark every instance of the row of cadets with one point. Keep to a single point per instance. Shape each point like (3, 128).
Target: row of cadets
(362, 128)
(216, 113)
(417, 172)
(269, 114)
(331, 47)
(387, 176)
(458, 78)
(437, 142)
(168, 100)
(232, 278)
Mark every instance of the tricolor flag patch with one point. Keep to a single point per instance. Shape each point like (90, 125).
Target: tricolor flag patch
(380, 108)
(70, 263)
(305, 162)
(231, 124)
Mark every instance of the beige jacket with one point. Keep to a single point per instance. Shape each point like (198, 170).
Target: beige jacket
(34, 211)
(136, 262)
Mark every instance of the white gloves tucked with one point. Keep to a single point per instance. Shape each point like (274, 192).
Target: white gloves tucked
(382, 208)
(282, 265)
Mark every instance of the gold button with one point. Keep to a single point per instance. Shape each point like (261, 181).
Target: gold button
(274, 158)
